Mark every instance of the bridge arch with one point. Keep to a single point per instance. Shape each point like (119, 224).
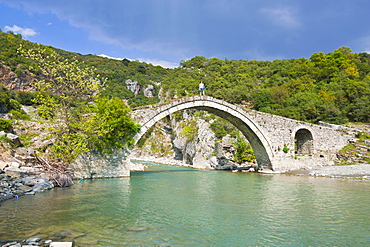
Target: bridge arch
(235, 115)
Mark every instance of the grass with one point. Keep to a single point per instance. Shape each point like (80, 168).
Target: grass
(350, 148)
(26, 138)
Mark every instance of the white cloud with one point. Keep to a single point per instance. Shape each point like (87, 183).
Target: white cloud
(162, 63)
(284, 16)
(106, 56)
(257, 53)
(363, 44)
(126, 24)
(25, 32)
(155, 62)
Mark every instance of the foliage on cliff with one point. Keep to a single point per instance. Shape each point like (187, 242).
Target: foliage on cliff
(244, 151)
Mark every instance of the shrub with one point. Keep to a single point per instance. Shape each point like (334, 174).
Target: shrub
(4, 99)
(190, 131)
(221, 127)
(25, 98)
(5, 125)
(244, 151)
(19, 114)
(14, 105)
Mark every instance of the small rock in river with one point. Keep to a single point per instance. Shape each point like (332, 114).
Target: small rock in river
(30, 240)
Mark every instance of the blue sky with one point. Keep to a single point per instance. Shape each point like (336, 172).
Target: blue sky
(164, 32)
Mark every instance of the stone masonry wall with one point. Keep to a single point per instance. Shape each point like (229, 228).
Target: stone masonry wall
(281, 131)
(274, 132)
(93, 165)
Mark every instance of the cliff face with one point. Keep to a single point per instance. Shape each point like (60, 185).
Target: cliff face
(135, 87)
(12, 82)
(199, 151)
(167, 142)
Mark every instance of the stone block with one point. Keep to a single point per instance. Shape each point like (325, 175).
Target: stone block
(44, 175)
(14, 172)
(3, 164)
(2, 134)
(14, 165)
(61, 244)
(25, 188)
(31, 181)
(14, 139)
(29, 170)
(42, 186)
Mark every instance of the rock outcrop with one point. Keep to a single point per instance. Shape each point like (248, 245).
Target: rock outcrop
(12, 82)
(167, 143)
(135, 87)
(149, 91)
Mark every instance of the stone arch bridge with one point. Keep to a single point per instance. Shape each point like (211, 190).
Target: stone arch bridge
(279, 143)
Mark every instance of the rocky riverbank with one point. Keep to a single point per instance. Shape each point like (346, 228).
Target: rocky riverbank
(361, 171)
(15, 186)
(34, 242)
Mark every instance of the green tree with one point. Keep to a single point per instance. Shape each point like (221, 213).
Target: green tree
(73, 85)
(111, 127)
(196, 62)
(67, 90)
(125, 61)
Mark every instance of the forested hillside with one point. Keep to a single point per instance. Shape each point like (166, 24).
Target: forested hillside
(333, 87)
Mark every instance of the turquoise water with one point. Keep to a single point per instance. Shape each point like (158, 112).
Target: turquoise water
(179, 206)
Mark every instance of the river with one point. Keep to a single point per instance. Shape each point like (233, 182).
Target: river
(180, 206)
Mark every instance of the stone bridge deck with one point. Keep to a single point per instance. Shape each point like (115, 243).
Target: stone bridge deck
(279, 143)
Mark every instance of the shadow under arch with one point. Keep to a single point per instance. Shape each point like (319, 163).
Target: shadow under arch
(235, 115)
(303, 141)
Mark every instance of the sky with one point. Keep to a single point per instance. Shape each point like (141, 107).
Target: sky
(166, 32)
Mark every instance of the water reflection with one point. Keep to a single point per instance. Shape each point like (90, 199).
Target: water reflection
(327, 208)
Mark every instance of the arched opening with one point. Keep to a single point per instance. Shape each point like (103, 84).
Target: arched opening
(303, 142)
(262, 148)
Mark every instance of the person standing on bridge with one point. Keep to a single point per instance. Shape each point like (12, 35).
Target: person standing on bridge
(201, 88)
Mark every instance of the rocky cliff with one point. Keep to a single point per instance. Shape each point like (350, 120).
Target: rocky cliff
(135, 87)
(188, 140)
(12, 82)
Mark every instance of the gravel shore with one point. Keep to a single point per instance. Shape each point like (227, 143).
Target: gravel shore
(350, 171)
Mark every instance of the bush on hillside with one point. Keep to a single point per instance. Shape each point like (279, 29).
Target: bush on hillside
(25, 98)
(19, 114)
(5, 125)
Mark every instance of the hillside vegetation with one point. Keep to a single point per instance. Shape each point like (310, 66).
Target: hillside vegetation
(333, 87)
(68, 95)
